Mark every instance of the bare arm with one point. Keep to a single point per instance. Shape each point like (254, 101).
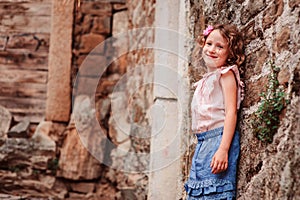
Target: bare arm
(220, 159)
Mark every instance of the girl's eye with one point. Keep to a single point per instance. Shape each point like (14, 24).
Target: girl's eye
(208, 43)
(220, 47)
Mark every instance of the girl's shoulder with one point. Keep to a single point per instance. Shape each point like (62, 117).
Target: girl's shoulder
(234, 68)
(240, 83)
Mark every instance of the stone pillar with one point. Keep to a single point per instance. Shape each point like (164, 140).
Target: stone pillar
(171, 99)
(58, 104)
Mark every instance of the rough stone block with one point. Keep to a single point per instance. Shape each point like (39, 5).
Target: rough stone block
(120, 22)
(101, 25)
(91, 65)
(119, 65)
(250, 9)
(35, 152)
(5, 120)
(31, 42)
(84, 147)
(90, 41)
(119, 127)
(58, 104)
(75, 162)
(41, 137)
(86, 24)
(20, 130)
(86, 85)
(103, 108)
(83, 187)
(282, 39)
(96, 8)
(107, 85)
(272, 13)
(119, 6)
(294, 3)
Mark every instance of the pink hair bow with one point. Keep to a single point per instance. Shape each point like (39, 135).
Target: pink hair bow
(208, 30)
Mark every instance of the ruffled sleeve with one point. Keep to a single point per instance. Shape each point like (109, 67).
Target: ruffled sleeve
(241, 85)
(195, 84)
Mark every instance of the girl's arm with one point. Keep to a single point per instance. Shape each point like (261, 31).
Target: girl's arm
(219, 161)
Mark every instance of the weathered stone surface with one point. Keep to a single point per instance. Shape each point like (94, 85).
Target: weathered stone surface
(101, 25)
(294, 3)
(249, 32)
(91, 65)
(284, 76)
(77, 196)
(164, 165)
(22, 164)
(29, 17)
(107, 85)
(282, 40)
(120, 28)
(86, 85)
(34, 152)
(250, 9)
(90, 41)
(56, 131)
(34, 60)
(5, 120)
(86, 25)
(106, 191)
(41, 136)
(254, 89)
(30, 42)
(83, 187)
(20, 130)
(119, 6)
(116, 1)
(103, 110)
(130, 184)
(96, 8)
(276, 168)
(75, 162)
(33, 186)
(118, 65)
(119, 129)
(59, 76)
(272, 13)
(11, 197)
(84, 140)
(120, 23)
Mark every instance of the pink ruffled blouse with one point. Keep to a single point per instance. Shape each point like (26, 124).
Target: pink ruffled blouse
(208, 108)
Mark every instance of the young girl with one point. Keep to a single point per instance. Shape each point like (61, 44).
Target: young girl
(214, 115)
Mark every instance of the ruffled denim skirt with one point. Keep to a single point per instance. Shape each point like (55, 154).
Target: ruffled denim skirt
(202, 183)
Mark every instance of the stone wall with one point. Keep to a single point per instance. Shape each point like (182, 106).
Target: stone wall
(271, 28)
(130, 120)
(103, 152)
(80, 159)
(24, 46)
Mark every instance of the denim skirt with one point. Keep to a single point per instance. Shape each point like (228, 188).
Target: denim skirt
(202, 183)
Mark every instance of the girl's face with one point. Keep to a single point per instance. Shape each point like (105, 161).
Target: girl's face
(215, 50)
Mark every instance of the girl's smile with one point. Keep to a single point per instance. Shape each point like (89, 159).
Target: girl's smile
(215, 50)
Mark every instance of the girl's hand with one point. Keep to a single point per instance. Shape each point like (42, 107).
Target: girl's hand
(219, 161)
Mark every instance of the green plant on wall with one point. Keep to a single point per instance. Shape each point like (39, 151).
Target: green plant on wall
(266, 120)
